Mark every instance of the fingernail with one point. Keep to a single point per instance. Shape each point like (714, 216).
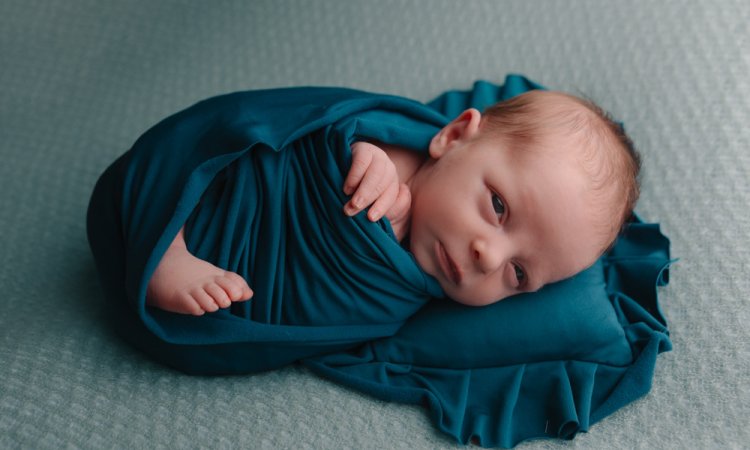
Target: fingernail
(373, 215)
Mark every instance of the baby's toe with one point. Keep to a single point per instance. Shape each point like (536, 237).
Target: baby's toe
(205, 301)
(188, 305)
(219, 295)
(235, 286)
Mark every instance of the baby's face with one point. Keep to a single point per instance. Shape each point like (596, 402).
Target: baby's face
(489, 222)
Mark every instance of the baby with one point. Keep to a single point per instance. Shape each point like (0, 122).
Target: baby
(529, 192)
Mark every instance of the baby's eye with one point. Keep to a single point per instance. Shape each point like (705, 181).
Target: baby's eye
(498, 205)
(520, 275)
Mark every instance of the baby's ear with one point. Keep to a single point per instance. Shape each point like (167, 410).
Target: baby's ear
(463, 127)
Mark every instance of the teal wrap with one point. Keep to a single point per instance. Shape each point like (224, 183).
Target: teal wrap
(256, 179)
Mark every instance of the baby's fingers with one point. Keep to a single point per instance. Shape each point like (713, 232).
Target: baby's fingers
(384, 203)
(361, 160)
(373, 184)
(401, 206)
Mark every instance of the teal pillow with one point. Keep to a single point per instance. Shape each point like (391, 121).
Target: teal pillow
(571, 319)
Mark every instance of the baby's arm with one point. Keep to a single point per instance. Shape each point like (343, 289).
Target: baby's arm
(373, 180)
(185, 284)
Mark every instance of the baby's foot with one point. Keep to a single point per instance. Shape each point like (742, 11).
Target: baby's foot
(185, 284)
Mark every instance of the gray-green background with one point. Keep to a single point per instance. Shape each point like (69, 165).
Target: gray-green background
(80, 80)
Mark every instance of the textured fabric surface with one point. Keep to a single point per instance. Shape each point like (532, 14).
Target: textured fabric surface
(82, 79)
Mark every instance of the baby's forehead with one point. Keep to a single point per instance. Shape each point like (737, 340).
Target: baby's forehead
(554, 143)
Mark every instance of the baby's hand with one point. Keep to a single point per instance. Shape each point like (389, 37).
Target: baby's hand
(372, 180)
(399, 215)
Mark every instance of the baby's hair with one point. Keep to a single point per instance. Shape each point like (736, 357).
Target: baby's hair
(609, 156)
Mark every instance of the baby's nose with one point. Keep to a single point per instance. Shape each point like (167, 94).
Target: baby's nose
(487, 255)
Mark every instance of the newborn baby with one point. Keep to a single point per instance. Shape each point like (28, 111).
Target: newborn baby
(529, 192)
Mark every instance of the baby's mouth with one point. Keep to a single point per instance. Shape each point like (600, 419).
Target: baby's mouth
(449, 267)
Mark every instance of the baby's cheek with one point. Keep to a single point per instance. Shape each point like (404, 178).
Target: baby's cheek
(480, 295)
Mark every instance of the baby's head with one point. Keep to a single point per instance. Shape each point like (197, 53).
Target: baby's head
(530, 192)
